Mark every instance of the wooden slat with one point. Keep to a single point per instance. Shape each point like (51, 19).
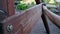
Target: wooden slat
(11, 7)
(53, 17)
(23, 23)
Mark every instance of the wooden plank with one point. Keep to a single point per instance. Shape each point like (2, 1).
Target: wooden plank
(23, 23)
(53, 17)
(43, 17)
(11, 9)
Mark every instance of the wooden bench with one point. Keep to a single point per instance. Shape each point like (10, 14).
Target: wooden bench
(22, 23)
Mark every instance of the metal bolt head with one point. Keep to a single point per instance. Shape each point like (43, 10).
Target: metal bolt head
(9, 28)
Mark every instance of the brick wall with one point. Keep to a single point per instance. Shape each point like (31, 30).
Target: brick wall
(23, 23)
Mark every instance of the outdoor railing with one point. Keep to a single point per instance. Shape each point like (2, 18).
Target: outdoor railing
(24, 22)
(52, 16)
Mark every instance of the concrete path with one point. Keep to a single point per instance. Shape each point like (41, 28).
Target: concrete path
(39, 28)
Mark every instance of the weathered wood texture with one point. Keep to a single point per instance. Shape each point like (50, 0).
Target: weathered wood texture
(43, 16)
(53, 17)
(23, 23)
(11, 8)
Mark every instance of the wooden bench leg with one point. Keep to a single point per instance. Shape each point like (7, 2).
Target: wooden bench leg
(45, 23)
